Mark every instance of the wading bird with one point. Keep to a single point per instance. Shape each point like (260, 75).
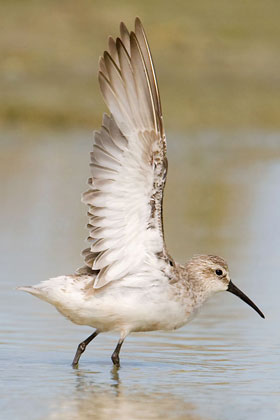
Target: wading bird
(129, 282)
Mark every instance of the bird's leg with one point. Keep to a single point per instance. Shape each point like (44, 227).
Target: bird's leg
(81, 348)
(115, 356)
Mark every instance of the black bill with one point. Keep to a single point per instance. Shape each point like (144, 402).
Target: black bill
(233, 289)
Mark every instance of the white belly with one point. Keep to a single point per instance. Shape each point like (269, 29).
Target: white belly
(116, 307)
(124, 309)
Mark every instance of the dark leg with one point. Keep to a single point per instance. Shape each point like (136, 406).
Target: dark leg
(115, 356)
(81, 348)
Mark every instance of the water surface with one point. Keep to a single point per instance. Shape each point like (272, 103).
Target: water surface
(222, 197)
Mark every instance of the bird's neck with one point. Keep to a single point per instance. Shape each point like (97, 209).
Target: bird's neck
(189, 290)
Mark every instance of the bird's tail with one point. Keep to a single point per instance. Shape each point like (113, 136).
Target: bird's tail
(30, 289)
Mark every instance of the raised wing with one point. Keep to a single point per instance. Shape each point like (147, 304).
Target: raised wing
(128, 166)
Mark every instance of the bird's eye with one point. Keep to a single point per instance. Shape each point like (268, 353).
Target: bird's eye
(219, 272)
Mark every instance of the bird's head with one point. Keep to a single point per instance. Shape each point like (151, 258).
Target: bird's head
(209, 274)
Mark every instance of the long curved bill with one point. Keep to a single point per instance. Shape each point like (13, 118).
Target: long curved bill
(233, 289)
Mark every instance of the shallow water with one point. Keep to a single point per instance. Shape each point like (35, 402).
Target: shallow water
(222, 197)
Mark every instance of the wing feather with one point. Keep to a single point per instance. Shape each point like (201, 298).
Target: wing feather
(125, 37)
(128, 167)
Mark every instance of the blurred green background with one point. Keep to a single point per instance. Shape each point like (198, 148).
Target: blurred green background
(217, 61)
(218, 67)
